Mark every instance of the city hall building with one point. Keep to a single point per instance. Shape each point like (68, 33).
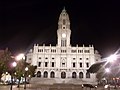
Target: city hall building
(63, 63)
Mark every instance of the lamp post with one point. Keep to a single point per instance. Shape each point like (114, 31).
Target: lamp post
(112, 58)
(26, 69)
(13, 65)
(107, 70)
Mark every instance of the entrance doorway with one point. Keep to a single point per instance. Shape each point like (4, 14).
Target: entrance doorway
(63, 75)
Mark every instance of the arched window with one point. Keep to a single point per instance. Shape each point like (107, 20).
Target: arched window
(87, 75)
(45, 74)
(74, 75)
(38, 74)
(52, 75)
(81, 75)
(63, 75)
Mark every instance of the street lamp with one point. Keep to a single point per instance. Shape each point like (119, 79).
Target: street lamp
(20, 57)
(26, 69)
(14, 64)
(107, 70)
(112, 58)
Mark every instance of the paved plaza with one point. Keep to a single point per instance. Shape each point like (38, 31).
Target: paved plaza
(53, 87)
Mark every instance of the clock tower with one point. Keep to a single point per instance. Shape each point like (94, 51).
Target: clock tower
(63, 32)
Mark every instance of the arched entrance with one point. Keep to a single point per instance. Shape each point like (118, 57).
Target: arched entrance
(45, 74)
(74, 75)
(81, 75)
(63, 75)
(38, 74)
(52, 74)
(87, 75)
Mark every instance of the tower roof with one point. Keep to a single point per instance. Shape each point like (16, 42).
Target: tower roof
(64, 10)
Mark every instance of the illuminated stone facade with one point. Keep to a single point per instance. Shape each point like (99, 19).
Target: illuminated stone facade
(63, 63)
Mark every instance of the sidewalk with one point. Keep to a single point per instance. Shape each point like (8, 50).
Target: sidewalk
(51, 87)
(14, 87)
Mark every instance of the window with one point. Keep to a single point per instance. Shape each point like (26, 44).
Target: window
(40, 50)
(80, 51)
(46, 50)
(63, 27)
(53, 64)
(63, 43)
(39, 57)
(87, 65)
(80, 64)
(80, 58)
(39, 64)
(64, 22)
(46, 58)
(63, 75)
(63, 51)
(53, 58)
(63, 64)
(74, 75)
(81, 75)
(52, 74)
(46, 64)
(45, 74)
(53, 50)
(38, 74)
(73, 58)
(87, 58)
(73, 64)
(87, 75)
(87, 51)
(73, 51)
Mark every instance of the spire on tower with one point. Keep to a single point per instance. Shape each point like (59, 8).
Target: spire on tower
(64, 9)
(64, 22)
(64, 31)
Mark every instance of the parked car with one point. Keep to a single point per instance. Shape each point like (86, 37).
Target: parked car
(89, 85)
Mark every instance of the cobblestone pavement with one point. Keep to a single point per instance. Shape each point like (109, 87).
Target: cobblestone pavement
(52, 87)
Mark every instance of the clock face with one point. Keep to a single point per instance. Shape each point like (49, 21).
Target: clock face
(63, 35)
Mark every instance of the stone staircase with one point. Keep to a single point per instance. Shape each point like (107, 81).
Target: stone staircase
(52, 81)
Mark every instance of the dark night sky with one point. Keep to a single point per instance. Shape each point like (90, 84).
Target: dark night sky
(23, 23)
